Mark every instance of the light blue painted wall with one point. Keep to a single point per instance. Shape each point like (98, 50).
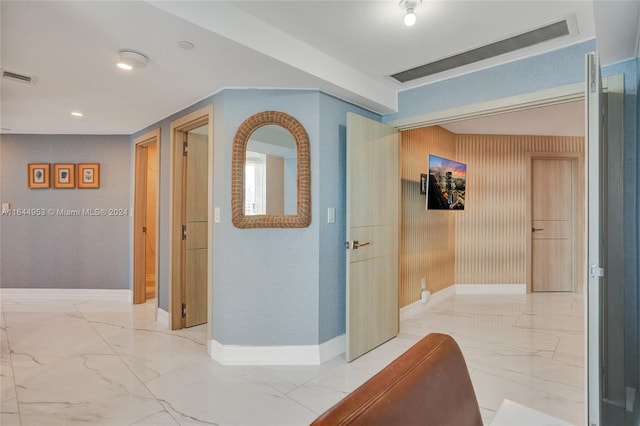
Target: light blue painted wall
(630, 173)
(272, 286)
(265, 289)
(552, 69)
(56, 251)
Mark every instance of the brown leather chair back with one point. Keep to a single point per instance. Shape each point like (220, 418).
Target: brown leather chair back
(428, 385)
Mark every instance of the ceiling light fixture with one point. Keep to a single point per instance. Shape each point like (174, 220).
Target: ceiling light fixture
(77, 114)
(409, 7)
(186, 45)
(130, 59)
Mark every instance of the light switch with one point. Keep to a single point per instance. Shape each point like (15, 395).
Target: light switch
(216, 215)
(331, 215)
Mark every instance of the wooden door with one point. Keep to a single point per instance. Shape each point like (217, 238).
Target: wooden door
(373, 204)
(196, 222)
(189, 271)
(553, 215)
(150, 227)
(144, 213)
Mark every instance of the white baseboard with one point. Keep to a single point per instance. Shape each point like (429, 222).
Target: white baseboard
(439, 296)
(491, 289)
(277, 355)
(116, 295)
(412, 309)
(163, 318)
(434, 298)
(464, 289)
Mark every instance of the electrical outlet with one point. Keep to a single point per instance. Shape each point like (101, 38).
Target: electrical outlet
(331, 215)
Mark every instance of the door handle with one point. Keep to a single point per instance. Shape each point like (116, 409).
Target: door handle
(357, 244)
(537, 229)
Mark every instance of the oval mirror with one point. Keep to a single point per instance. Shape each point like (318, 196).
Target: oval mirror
(270, 182)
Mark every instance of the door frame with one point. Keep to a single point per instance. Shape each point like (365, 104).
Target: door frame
(140, 210)
(578, 247)
(178, 127)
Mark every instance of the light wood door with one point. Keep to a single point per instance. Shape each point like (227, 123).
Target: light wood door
(196, 219)
(373, 203)
(144, 215)
(553, 215)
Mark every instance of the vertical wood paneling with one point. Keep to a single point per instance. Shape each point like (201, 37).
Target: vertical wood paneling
(427, 240)
(491, 233)
(486, 243)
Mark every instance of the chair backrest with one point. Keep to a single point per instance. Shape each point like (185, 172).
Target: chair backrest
(427, 385)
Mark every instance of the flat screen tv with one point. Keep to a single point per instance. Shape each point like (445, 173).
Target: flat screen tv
(446, 184)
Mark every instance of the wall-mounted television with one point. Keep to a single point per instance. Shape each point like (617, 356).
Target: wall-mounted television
(446, 185)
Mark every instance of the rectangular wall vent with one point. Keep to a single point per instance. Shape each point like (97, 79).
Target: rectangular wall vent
(530, 38)
(20, 78)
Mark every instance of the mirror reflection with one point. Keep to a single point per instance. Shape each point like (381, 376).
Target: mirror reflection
(270, 172)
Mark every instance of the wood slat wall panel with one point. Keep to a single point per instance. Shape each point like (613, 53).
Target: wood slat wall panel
(427, 241)
(491, 234)
(485, 244)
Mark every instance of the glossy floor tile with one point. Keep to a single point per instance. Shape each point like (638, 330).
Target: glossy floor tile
(109, 363)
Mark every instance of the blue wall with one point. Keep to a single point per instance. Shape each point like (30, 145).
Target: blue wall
(545, 71)
(58, 251)
(265, 281)
(272, 286)
(630, 208)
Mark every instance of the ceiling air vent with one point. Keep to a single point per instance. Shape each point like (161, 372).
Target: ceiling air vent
(20, 78)
(530, 38)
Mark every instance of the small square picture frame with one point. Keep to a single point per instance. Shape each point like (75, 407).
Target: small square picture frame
(64, 175)
(38, 175)
(88, 175)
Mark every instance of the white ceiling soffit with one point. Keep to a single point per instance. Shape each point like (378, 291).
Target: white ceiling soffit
(613, 45)
(231, 22)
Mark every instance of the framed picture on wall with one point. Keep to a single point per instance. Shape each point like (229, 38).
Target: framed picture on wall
(64, 175)
(38, 175)
(88, 175)
(447, 184)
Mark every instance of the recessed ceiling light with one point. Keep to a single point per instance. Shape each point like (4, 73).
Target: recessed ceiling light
(186, 45)
(130, 59)
(77, 114)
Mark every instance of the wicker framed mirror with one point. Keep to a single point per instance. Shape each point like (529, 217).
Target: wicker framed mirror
(271, 173)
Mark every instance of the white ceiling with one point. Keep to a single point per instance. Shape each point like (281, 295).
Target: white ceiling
(565, 119)
(345, 48)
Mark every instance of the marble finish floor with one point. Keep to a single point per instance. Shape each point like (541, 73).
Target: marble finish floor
(110, 363)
